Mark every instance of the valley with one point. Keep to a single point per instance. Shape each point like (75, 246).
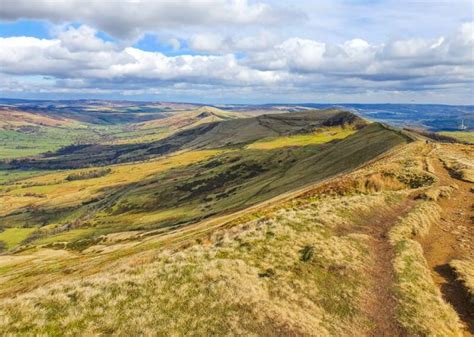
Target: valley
(229, 222)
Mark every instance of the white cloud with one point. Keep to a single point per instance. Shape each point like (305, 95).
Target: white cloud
(77, 60)
(130, 18)
(78, 53)
(207, 42)
(83, 39)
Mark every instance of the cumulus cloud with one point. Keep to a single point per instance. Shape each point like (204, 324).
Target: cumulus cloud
(450, 57)
(78, 53)
(77, 60)
(83, 39)
(130, 18)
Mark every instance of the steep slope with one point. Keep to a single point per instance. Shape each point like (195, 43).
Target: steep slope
(335, 258)
(181, 188)
(227, 133)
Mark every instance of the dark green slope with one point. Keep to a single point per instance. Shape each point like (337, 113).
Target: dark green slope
(237, 180)
(229, 133)
(225, 183)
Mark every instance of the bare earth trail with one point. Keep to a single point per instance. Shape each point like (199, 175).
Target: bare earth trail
(380, 304)
(451, 238)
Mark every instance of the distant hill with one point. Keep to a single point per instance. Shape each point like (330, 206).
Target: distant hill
(434, 117)
(99, 112)
(191, 118)
(230, 132)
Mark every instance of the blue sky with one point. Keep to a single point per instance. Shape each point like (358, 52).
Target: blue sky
(237, 51)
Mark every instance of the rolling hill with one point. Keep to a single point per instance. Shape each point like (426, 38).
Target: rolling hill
(26, 130)
(232, 132)
(209, 222)
(224, 170)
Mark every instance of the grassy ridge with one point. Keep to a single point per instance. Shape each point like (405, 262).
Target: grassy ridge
(235, 133)
(298, 268)
(183, 188)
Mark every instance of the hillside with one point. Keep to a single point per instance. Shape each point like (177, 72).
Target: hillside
(186, 186)
(160, 128)
(231, 132)
(31, 129)
(343, 256)
(310, 223)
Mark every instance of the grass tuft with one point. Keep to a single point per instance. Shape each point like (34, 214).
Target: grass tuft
(422, 310)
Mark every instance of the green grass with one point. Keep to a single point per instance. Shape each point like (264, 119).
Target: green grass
(465, 136)
(69, 236)
(317, 137)
(10, 176)
(179, 194)
(12, 237)
(36, 140)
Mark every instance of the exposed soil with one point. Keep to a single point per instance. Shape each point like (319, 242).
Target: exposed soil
(381, 303)
(452, 237)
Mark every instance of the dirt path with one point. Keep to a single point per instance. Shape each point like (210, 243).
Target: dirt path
(380, 303)
(452, 237)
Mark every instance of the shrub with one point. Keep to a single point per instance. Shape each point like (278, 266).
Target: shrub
(88, 174)
(307, 253)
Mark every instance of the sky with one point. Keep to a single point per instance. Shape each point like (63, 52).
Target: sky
(239, 51)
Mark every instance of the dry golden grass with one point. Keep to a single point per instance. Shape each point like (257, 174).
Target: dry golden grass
(465, 271)
(416, 223)
(422, 310)
(459, 160)
(297, 268)
(281, 274)
(437, 193)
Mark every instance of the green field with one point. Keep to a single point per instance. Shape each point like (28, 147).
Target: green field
(11, 237)
(16, 143)
(464, 136)
(317, 137)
